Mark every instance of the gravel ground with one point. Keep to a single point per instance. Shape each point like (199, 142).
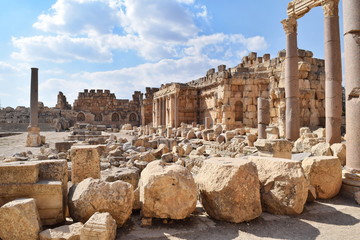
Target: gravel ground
(337, 218)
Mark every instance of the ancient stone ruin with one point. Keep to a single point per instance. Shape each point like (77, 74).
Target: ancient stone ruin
(245, 145)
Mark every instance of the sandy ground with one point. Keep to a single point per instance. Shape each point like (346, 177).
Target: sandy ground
(337, 218)
(16, 143)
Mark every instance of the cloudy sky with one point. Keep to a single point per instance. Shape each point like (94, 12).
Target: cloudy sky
(126, 45)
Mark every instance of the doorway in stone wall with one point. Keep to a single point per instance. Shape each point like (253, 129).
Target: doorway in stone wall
(80, 117)
(239, 111)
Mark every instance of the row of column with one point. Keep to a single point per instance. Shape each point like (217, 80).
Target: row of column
(165, 111)
(333, 79)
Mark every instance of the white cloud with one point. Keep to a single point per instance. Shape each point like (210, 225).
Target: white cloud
(80, 17)
(60, 48)
(166, 32)
(158, 20)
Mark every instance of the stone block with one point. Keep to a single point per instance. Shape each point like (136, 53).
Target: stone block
(66, 232)
(278, 148)
(94, 195)
(167, 191)
(339, 150)
(19, 219)
(85, 162)
(284, 188)
(63, 146)
(229, 189)
(48, 196)
(19, 172)
(324, 174)
(321, 149)
(101, 226)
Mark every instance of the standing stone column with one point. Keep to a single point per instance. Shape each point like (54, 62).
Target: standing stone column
(351, 13)
(333, 91)
(292, 114)
(33, 137)
(207, 123)
(263, 116)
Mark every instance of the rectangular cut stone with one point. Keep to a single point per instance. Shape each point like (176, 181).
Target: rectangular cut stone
(63, 146)
(47, 194)
(55, 170)
(85, 162)
(19, 172)
(277, 148)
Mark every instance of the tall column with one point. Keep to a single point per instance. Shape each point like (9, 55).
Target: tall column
(292, 114)
(163, 111)
(263, 116)
(176, 110)
(333, 91)
(351, 13)
(33, 137)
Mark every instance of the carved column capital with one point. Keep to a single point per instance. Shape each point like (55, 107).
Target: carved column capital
(330, 7)
(289, 25)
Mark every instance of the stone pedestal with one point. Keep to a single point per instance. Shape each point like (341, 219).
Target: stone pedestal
(291, 80)
(33, 137)
(333, 91)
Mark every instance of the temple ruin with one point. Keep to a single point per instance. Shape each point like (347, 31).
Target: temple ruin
(265, 136)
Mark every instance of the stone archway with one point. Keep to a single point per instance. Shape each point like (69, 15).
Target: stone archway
(239, 108)
(132, 117)
(98, 117)
(115, 117)
(80, 117)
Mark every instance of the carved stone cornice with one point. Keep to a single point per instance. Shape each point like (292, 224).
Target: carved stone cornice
(289, 25)
(330, 7)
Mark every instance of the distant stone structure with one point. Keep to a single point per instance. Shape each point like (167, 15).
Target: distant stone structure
(229, 96)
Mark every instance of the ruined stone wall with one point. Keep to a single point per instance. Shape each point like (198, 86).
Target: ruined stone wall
(94, 107)
(147, 106)
(62, 102)
(18, 119)
(102, 107)
(229, 96)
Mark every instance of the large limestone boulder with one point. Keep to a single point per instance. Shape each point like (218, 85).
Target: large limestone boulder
(321, 149)
(284, 188)
(167, 191)
(229, 189)
(66, 232)
(101, 226)
(305, 142)
(19, 219)
(94, 195)
(339, 150)
(162, 149)
(127, 174)
(324, 174)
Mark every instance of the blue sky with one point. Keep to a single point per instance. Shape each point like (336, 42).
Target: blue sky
(126, 45)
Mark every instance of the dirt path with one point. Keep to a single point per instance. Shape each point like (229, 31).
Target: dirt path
(336, 219)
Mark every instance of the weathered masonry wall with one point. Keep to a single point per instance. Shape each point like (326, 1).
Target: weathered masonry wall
(229, 96)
